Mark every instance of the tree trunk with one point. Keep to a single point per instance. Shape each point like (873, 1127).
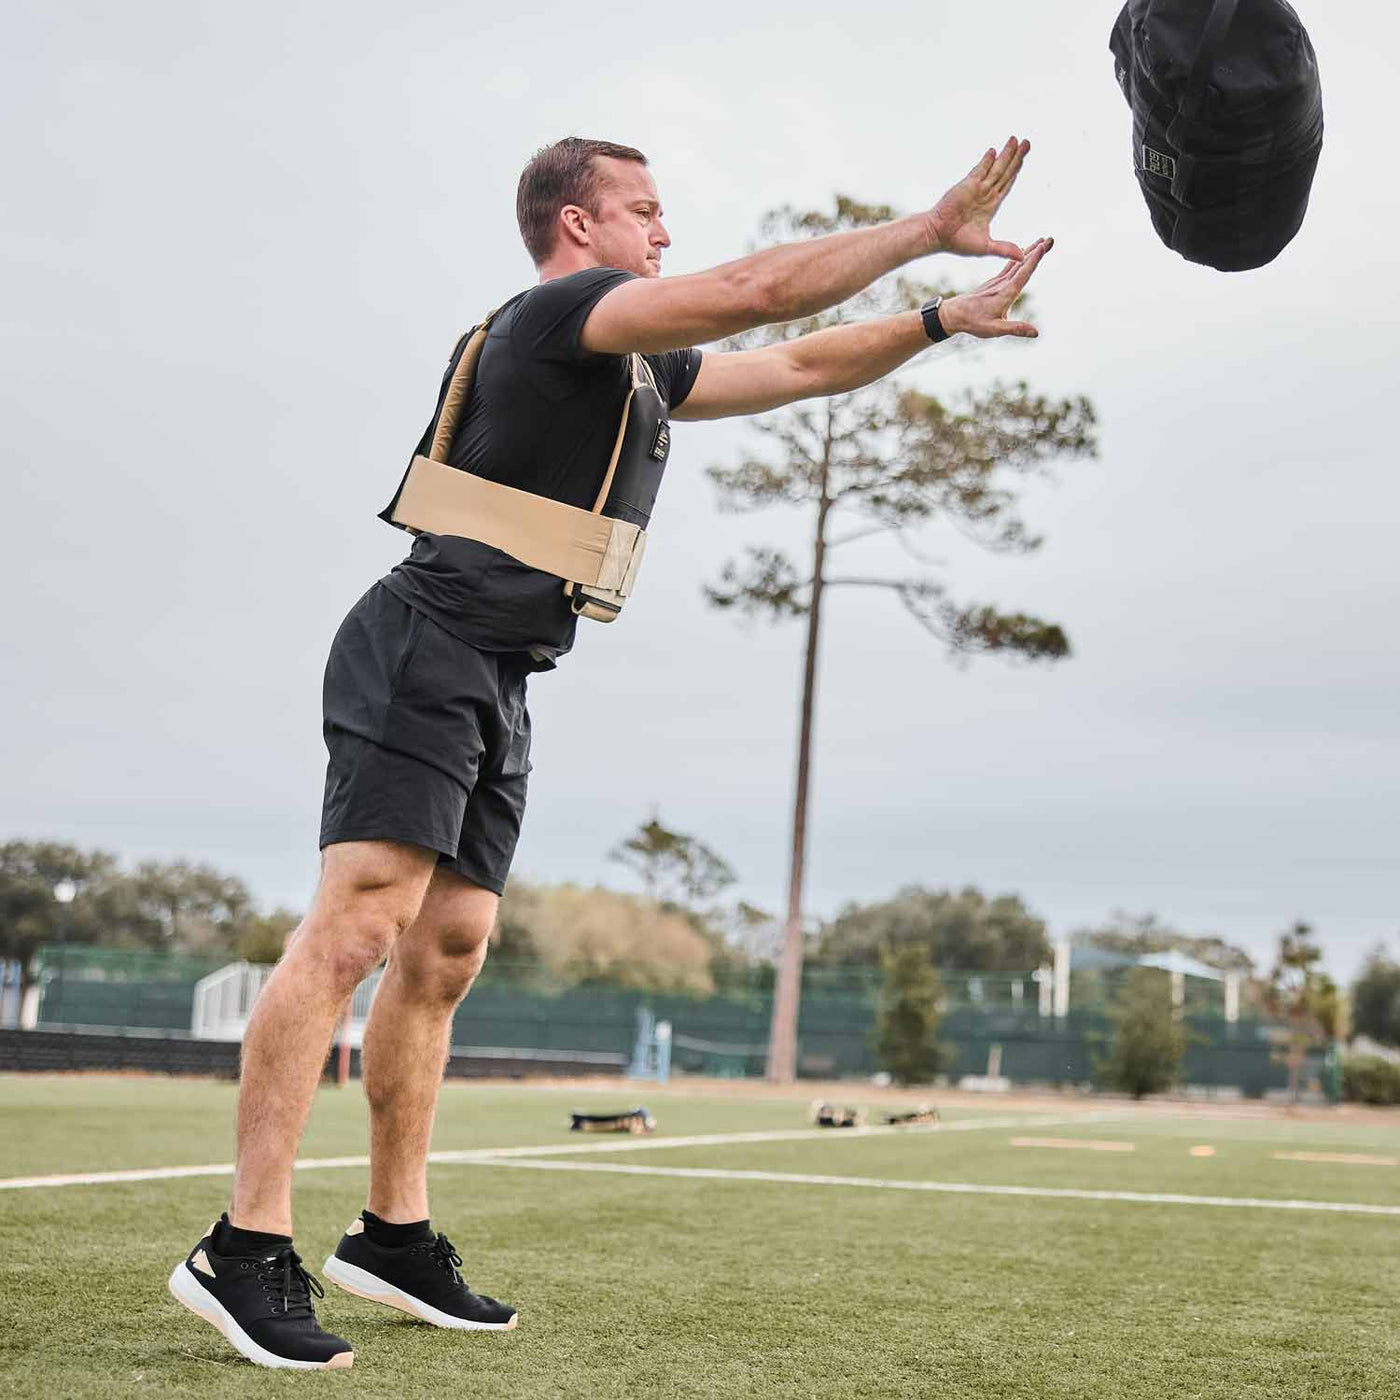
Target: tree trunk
(782, 1037)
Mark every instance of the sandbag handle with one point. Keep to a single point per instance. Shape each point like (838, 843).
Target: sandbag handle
(1213, 33)
(1217, 26)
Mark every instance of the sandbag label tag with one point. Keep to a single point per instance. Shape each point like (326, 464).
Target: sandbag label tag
(1155, 163)
(662, 443)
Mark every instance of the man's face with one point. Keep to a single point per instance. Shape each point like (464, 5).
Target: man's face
(627, 231)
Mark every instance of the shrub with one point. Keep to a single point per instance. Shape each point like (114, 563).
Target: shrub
(1148, 1039)
(1370, 1079)
(908, 1020)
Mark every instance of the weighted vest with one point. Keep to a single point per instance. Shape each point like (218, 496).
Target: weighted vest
(596, 552)
(1227, 123)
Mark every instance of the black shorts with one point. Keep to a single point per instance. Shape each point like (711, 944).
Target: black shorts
(429, 740)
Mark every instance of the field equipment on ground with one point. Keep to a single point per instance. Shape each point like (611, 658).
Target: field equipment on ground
(1227, 123)
(924, 1113)
(826, 1115)
(596, 552)
(631, 1120)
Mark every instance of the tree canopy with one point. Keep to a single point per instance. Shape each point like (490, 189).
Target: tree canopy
(577, 934)
(1302, 996)
(168, 906)
(1375, 999)
(674, 867)
(891, 460)
(961, 931)
(1138, 935)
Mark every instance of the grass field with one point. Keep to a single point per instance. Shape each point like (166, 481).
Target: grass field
(797, 1263)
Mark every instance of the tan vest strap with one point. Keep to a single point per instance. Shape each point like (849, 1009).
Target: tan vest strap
(608, 475)
(457, 392)
(558, 538)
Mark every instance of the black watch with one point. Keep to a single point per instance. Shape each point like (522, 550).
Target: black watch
(933, 322)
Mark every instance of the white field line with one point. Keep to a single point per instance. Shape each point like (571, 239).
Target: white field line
(953, 1188)
(25, 1183)
(642, 1144)
(1349, 1159)
(1075, 1144)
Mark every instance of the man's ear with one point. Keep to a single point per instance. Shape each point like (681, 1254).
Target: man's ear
(577, 224)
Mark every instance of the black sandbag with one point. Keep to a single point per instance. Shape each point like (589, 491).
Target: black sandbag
(1227, 123)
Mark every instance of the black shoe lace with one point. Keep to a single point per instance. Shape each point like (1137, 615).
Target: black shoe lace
(445, 1256)
(282, 1274)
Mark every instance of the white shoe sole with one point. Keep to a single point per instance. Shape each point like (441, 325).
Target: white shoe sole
(364, 1284)
(189, 1291)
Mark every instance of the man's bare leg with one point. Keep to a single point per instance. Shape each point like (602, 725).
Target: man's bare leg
(408, 1038)
(370, 892)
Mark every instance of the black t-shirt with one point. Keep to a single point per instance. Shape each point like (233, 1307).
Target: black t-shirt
(542, 416)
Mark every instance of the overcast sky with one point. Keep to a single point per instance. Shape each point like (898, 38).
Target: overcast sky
(240, 241)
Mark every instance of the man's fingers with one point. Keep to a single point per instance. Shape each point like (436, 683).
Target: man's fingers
(983, 166)
(996, 330)
(1003, 161)
(1032, 261)
(997, 249)
(1012, 168)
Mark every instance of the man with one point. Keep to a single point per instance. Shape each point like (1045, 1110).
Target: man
(425, 716)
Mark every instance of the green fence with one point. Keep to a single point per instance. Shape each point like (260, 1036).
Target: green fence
(119, 987)
(519, 1006)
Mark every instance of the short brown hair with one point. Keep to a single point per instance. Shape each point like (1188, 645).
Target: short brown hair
(561, 174)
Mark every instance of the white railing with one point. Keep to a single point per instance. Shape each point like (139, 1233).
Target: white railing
(223, 1002)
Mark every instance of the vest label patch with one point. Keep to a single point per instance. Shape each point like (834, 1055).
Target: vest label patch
(1155, 163)
(662, 442)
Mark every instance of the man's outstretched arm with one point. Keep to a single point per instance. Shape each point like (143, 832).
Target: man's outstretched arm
(799, 279)
(843, 358)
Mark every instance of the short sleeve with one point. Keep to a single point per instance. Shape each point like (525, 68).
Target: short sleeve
(550, 317)
(675, 374)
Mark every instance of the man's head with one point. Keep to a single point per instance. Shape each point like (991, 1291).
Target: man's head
(591, 204)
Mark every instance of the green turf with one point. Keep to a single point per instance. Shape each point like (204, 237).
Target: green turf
(646, 1287)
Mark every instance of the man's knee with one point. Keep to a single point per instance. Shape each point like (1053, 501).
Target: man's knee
(440, 956)
(370, 894)
(443, 967)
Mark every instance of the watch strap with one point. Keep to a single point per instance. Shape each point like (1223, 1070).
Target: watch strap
(933, 322)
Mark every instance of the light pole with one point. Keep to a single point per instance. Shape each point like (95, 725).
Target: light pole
(65, 892)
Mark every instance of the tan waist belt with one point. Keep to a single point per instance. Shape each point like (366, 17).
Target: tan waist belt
(578, 545)
(596, 556)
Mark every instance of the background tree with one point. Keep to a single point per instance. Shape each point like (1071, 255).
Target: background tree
(1375, 999)
(1148, 1040)
(907, 1023)
(962, 931)
(168, 906)
(1138, 935)
(1303, 997)
(31, 915)
(596, 935)
(890, 460)
(674, 867)
(262, 938)
(177, 905)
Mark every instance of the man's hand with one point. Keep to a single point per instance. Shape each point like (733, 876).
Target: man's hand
(983, 313)
(962, 219)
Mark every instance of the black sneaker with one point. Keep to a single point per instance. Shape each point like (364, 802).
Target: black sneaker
(421, 1279)
(262, 1305)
